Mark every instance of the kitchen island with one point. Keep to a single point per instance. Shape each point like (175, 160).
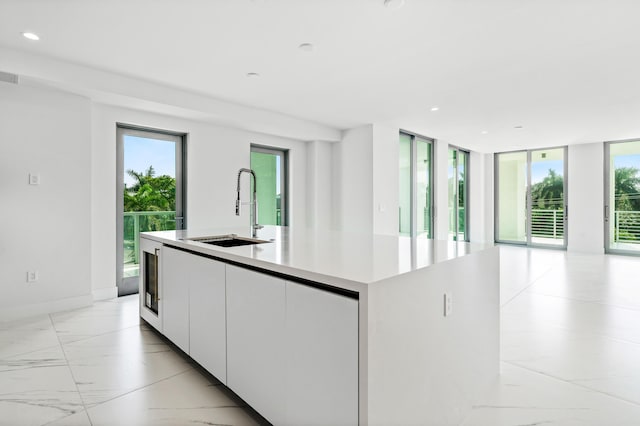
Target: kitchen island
(323, 327)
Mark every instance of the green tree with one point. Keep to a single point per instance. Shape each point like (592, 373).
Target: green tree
(150, 192)
(627, 189)
(548, 194)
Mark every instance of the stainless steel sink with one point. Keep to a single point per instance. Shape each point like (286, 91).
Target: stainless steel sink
(229, 240)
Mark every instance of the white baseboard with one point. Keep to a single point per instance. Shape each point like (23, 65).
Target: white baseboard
(25, 311)
(105, 293)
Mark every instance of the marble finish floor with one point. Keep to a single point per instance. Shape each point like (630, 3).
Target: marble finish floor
(570, 349)
(102, 366)
(570, 341)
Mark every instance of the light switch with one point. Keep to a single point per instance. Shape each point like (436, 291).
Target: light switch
(34, 179)
(32, 276)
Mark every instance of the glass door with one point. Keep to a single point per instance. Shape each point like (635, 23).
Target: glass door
(406, 186)
(622, 197)
(415, 193)
(150, 194)
(270, 167)
(531, 204)
(511, 197)
(547, 214)
(458, 194)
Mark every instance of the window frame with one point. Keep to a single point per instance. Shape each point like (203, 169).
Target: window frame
(528, 242)
(284, 177)
(129, 285)
(413, 232)
(467, 185)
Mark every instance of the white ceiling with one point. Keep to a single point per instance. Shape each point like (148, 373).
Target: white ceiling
(566, 70)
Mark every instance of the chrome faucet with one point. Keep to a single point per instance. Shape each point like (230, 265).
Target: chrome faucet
(254, 204)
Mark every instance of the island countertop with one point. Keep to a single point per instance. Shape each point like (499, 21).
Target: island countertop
(408, 326)
(348, 260)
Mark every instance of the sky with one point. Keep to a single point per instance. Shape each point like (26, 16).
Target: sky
(627, 161)
(140, 153)
(540, 169)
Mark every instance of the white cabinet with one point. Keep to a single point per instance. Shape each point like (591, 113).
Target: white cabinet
(150, 282)
(256, 349)
(176, 265)
(289, 350)
(322, 357)
(207, 315)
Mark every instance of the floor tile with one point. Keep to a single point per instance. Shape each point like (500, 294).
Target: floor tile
(110, 365)
(522, 397)
(78, 419)
(520, 267)
(609, 280)
(100, 318)
(533, 311)
(26, 335)
(37, 388)
(187, 398)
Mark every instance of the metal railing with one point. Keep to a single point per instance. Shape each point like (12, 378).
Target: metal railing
(550, 224)
(626, 226)
(547, 223)
(136, 222)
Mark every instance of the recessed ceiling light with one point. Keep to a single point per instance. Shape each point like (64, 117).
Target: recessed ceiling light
(435, 108)
(393, 4)
(518, 127)
(253, 75)
(31, 36)
(306, 47)
(484, 132)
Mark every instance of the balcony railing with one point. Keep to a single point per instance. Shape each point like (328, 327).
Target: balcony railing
(626, 227)
(550, 224)
(547, 223)
(136, 222)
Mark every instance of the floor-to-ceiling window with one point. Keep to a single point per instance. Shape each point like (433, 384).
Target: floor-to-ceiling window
(622, 197)
(270, 166)
(150, 190)
(415, 192)
(458, 182)
(531, 203)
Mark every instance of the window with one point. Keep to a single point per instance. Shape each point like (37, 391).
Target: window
(150, 187)
(458, 181)
(530, 202)
(415, 193)
(622, 197)
(271, 168)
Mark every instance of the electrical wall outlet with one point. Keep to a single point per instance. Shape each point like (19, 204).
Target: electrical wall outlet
(32, 276)
(448, 304)
(34, 179)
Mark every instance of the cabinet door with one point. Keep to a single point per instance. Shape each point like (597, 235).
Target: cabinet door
(255, 340)
(207, 315)
(322, 357)
(175, 296)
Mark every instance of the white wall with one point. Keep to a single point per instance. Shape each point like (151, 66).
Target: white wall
(585, 198)
(386, 179)
(441, 190)
(366, 185)
(214, 155)
(319, 184)
(45, 227)
(354, 188)
(481, 197)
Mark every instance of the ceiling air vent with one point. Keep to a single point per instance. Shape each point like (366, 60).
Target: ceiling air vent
(8, 77)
